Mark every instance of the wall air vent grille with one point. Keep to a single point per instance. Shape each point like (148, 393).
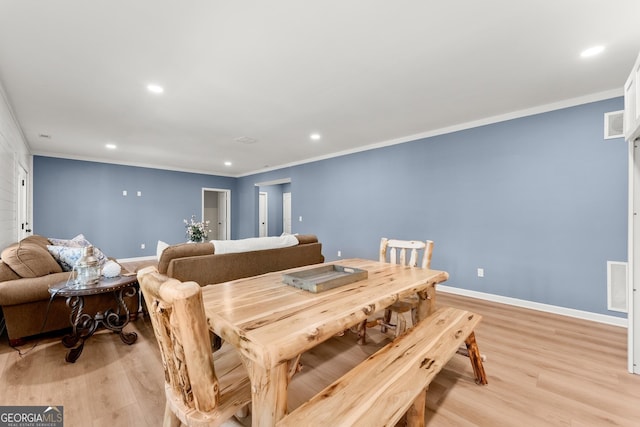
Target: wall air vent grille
(613, 125)
(617, 277)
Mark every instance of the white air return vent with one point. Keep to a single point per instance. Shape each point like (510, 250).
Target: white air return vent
(613, 124)
(617, 286)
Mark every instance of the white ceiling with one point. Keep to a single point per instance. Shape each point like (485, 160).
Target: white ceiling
(359, 72)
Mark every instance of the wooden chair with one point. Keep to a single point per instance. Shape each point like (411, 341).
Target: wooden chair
(404, 252)
(196, 392)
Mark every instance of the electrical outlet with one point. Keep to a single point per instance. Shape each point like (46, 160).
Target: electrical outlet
(142, 246)
(124, 192)
(300, 218)
(481, 272)
(339, 253)
(139, 193)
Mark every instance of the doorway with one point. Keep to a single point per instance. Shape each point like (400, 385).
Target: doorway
(216, 208)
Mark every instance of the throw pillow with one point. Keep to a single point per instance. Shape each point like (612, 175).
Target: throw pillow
(160, 248)
(62, 242)
(80, 242)
(66, 256)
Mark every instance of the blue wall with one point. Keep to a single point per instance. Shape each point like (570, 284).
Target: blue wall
(72, 197)
(539, 202)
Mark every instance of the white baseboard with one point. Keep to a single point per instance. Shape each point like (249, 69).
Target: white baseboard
(563, 311)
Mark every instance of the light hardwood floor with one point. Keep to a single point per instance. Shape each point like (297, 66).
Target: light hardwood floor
(543, 370)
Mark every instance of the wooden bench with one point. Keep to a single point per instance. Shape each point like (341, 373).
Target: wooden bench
(394, 380)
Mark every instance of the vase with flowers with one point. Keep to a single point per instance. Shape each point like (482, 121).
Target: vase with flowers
(197, 231)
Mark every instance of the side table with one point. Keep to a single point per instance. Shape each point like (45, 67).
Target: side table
(84, 324)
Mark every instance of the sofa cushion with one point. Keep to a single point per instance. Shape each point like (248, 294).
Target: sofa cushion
(29, 259)
(28, 290)
(38, 240)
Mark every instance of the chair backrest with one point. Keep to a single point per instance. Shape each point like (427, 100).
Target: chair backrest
(395, 252)
(179, 323)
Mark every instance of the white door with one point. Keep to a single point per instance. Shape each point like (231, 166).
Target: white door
(263, 223)
(286, 212)
(24, 228)
(223, 210)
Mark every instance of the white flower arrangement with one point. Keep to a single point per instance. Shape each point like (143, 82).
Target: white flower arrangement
(197, 231)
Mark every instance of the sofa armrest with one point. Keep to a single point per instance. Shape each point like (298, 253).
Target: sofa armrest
(304, 239)
(182, 250)
(29, 289)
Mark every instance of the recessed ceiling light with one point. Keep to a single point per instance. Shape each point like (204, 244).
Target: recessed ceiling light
(111, 146)
(155, 88)
(315, 136)
(592, 51)
(227, 163)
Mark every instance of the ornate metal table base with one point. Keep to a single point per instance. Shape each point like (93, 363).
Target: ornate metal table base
(84, 325)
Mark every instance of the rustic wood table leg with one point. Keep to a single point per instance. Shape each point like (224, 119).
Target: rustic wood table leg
(426, 304)
(268, 393)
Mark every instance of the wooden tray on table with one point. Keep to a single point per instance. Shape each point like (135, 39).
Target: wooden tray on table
(318, 279)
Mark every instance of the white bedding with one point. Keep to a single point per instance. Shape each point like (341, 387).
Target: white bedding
(253, 244)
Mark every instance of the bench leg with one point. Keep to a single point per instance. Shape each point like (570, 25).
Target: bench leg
(476, 359)
(415, 413)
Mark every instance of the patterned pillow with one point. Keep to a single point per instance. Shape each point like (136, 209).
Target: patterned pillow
(80, 242)
(66, 256)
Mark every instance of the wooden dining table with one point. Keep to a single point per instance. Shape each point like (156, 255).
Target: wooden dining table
(271, 322)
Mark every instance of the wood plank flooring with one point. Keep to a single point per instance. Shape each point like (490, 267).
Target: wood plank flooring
(543, 370)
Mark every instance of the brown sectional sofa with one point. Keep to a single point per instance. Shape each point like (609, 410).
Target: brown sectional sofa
(27, 270)
(199, 263)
